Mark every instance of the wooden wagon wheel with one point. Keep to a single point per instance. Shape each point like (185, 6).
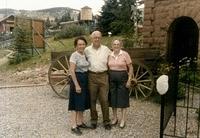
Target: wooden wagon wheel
(59, 76)
(142, 83)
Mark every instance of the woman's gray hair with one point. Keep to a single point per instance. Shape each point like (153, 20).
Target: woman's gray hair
(120, 41)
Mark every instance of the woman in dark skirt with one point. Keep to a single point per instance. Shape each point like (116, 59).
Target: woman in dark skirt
(120, 72)
(79, 96)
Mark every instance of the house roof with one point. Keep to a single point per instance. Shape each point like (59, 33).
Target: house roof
(5, 18)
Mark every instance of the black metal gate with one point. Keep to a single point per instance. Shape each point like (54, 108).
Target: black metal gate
(180, 106)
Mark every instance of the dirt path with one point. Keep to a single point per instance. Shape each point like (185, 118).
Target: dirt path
(5, 58)
(28, 76)
(22, 76)
(3, 61)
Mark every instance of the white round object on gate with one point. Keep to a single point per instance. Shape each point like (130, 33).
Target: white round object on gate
(162, 84)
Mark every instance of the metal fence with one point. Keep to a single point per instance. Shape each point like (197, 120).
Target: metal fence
(6, 43)
(180, 106)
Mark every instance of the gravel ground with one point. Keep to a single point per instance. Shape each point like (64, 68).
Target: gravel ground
(184, 123)
(36, 112)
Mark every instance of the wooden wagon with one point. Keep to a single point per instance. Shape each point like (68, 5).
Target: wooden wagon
(142, 84)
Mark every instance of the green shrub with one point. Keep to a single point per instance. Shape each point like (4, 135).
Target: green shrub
(155, 97)
(181, 92)
(19, 57)
(70, 31)
(128, 43)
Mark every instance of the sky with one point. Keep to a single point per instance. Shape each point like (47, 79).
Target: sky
(43, 4)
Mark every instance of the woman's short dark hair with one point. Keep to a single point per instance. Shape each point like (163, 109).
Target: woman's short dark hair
(79, 38)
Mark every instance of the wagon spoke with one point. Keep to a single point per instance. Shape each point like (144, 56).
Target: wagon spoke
(64, 87)
(55, 69)
(133, 74)
(60, 82)
(67, 61)
(142, 75)
(140, 81)
(141, 91)
(64, 74)
(130, 91)
(67, 73)
(138, 69)
(58, 76)
(145, 86)
(62, 65)
(136, 93)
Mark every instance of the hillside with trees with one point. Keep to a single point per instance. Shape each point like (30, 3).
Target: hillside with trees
(56, 12)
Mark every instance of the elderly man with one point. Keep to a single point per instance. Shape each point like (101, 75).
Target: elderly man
(97, 55)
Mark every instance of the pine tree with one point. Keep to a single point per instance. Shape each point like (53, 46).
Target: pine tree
(108, 15)
(22, 42)
(117, 17)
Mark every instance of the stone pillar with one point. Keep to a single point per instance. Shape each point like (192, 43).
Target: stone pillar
(148, 28)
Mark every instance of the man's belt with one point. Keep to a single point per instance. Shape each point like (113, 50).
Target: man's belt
(98, 72)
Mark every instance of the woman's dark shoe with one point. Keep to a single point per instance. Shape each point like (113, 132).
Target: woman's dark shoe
(93, 126)
(107, 127)
(76, 131)
(83, 125)
(114, 123)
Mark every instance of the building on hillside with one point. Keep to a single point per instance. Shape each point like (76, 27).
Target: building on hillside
(48, 17)
(82, 17)
(75, 15)
(7, 24)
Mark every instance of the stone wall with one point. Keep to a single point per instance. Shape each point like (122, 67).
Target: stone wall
(158, 16)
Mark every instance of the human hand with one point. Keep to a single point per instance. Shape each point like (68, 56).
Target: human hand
(128, 84)
(78, 89)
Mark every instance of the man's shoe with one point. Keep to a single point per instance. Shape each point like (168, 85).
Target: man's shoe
(107, 127)
(93, 126)
(76, 131)
(83, 125)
